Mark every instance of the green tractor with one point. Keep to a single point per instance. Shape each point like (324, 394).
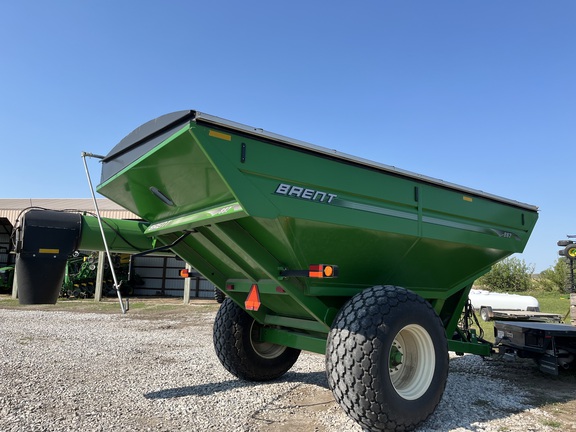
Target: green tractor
(6, 278)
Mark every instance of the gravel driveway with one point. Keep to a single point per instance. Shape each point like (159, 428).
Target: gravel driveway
(156, 370)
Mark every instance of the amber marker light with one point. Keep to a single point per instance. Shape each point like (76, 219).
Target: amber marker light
(323, 271)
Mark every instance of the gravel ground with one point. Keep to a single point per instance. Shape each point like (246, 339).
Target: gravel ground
(77, 371)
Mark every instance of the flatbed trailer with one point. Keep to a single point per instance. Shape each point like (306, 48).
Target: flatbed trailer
(552, 345)
(315, 250)
(517, 315)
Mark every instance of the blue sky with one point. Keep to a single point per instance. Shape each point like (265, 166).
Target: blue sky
(481, 94)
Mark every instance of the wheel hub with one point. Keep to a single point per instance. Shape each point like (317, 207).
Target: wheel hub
(395, 356)
(411, 362)
(266, 350)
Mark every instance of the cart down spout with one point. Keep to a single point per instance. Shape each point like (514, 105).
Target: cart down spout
(46, 239)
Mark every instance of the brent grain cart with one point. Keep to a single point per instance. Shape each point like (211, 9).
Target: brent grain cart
(315, 250)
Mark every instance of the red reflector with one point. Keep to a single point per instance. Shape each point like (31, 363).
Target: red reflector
(184, 273)
(315, 271)
(253, 300)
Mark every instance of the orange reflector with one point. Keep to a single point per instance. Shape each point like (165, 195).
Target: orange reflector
(322, 271)
(48, 251)
(184, 273)
(253, 300)
(220, 135)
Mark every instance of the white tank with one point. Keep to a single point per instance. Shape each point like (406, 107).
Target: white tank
(502, 301)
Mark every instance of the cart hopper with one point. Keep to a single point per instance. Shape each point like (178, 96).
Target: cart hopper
(259, 205)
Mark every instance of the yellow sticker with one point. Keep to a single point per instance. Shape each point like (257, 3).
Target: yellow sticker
(220, 135)
(467, 198)
(49, 251)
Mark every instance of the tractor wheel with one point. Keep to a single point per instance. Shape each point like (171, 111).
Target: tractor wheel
(237, 346)
(387, 359)
(570, 252)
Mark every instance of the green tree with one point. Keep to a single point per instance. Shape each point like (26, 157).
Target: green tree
(509, 275)
(555, 278)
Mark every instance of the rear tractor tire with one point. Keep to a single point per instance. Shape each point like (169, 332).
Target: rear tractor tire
(237, 345)
(387, 359)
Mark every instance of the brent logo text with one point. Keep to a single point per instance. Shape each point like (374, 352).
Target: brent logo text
(304, 193)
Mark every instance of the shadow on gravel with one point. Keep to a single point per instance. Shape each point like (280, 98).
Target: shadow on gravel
(479, 393)
(523, 376)
(496, 390)
(314, 378)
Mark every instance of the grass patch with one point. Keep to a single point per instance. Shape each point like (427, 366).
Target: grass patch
(8, 301)
(553, 302)
(148, 306)
(552, 423)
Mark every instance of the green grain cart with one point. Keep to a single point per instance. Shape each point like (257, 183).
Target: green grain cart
(315, 250)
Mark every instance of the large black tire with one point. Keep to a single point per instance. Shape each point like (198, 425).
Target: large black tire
(387, 359)
(237, 347)
(219, 295)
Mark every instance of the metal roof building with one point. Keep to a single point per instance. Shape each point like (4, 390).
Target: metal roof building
(11, 209)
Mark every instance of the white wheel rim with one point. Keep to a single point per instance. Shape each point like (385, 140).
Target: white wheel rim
(265, 350)
(411, 362)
